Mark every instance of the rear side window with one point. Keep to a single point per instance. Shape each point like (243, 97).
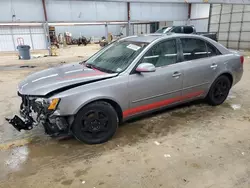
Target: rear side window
(188, 29)
(212, 51)
(193, 49)
(162, 54)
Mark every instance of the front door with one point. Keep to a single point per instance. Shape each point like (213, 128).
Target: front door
(153, 90)
(198, 66)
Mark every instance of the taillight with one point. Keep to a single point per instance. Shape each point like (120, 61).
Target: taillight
(242, 59)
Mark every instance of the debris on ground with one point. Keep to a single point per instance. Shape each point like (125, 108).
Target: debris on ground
(243, 153)
(37, 56)
(83, 182)
(156, 143)
(27, 66)
(15, 143)
(235, 106)
(185, 181)
(167, 155)
(231, 97)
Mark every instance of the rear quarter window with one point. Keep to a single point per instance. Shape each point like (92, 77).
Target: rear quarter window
(212, 50)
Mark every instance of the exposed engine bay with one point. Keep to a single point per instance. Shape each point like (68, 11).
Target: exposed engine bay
(36, 111)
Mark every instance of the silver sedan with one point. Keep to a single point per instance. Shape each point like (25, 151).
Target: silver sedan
(130, 77)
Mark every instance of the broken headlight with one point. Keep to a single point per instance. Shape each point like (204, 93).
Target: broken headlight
(50, 104)
(53, 104)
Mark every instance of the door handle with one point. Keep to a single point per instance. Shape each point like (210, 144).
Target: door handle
(213, 66)
(176, 74)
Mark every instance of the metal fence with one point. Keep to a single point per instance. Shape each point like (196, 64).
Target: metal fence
(232, 23)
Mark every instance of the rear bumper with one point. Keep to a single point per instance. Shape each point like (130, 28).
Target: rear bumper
(238, 75)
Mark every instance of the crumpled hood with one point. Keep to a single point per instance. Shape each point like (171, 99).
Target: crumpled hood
(43, 82)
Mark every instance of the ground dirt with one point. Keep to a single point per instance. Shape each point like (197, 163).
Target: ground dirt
(195, 145)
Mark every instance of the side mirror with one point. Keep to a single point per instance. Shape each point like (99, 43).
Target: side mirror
(145, 67)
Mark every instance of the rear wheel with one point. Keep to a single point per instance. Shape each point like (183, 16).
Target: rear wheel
(219, 90)
(95, 123)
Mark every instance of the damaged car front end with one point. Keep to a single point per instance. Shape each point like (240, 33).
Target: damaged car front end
(38, 111)
(41, 100)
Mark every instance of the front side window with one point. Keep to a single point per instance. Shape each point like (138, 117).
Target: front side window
(162, 54)
(117, 57)
(193, 49)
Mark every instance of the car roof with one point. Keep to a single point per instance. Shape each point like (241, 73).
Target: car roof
(148, 38)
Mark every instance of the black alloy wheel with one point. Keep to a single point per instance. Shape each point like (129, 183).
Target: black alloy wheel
(96, 123)
(219, 90)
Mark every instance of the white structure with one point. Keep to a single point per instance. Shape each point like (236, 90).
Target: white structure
(27, 20)
(232, 23)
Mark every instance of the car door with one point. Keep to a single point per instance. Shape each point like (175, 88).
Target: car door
(198, 65)
(152, 90)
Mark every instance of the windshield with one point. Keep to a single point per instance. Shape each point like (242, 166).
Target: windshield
(160, 30)
(117, 57)
(164, 30)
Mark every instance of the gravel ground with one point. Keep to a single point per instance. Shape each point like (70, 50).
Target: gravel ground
(194, 145)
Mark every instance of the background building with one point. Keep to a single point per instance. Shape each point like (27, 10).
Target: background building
(27, 21)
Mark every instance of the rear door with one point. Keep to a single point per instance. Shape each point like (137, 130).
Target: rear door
(199, 66)
(153, 90)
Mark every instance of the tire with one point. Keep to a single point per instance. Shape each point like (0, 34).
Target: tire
(219, 90)
(95, 123)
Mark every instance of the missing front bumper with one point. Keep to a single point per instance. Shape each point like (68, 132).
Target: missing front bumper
(19, 124)
(54, 126)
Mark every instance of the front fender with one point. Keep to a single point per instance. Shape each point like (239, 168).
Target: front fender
(73, 100)
(97, 98)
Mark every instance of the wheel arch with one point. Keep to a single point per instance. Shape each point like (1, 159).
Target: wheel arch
(210, 95)
(229, 75)
(112, 102)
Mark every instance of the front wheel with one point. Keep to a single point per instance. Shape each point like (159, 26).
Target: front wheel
(95, 123)
(219, 90)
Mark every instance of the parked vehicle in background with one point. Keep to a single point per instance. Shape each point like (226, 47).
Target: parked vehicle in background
(130, 77)
(83, 40)
(186, 30)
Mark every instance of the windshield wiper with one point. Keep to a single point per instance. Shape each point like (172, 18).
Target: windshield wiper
(99, 68)
(89, 66)
(82, 62)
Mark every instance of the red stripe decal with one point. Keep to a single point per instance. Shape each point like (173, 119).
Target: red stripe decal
(159, 104)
